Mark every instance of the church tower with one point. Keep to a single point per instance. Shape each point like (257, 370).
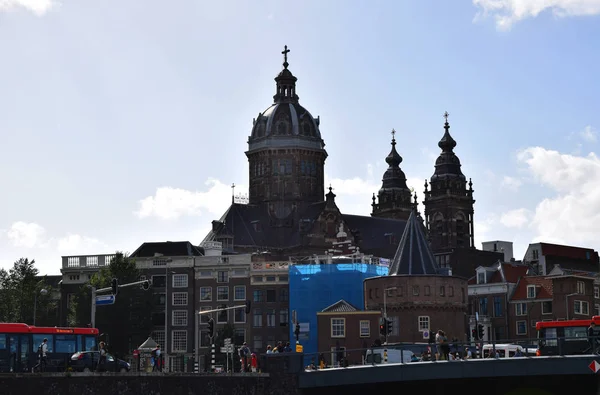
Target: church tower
(286, 153)
(394, 199)
(448, 202)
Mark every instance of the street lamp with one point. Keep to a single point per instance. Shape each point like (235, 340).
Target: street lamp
(42, 291)
(567, 302)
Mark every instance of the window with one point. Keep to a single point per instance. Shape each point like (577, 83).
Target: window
(205, 317)
(179, 341)
(180, 298)
(480, 277)
(257, 318)
(239, 292)
(338, 327)
(270, 279)
(271, 317)
(222, 276)
(597, 292)
(451, 291)
(222, 293)
(239, 336)
(415, 290)
(580, 287)
(64, 343)
(427, 290)
(521, 327)
(259, 296)
(582, 308)
(159, 338)
(205, 294)
(423, 323)
(159, 299)
(204, 338)
(284, 294)
(257, 344)
(284, 317)
(546, 307)
(222, 316)
(271, 296)
(37, 340)
(531, 292)
(521, 309)
(180, 317)
(239, 316)
(365, 328)
(180, 280)
(442, 291)
(159, 262)
(483, 306)
(284, 279)
(159, 281)
(498, 306)
(575, 333)
(597, 308)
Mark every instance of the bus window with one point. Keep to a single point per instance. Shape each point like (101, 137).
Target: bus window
(2, 342)
(65, 344)
(90, 343)
(38, 339)
(550, 335)
(576, 333)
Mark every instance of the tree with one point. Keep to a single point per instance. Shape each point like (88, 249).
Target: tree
(21, 293)
(125, 324)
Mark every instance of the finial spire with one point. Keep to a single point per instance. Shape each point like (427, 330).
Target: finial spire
(285, 52)
(446, 115)
(393, 135)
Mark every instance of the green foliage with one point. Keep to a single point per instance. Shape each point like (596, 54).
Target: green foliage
(21, 291)
(127, 323)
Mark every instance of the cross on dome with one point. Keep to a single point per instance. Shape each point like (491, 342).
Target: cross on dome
(285, 52)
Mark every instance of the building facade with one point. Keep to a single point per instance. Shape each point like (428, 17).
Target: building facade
(542, 257)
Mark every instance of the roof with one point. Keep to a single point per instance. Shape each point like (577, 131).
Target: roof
(544, 289)
(569, 252)
(509, 272)
(167, 248)
(149, 344)
(339, 307)
(414, 255)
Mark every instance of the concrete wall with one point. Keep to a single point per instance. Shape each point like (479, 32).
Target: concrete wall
(115, 384)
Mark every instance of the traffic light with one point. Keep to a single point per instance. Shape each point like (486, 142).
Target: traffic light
(383, 327)
(480, 331)
(474, 334)
(145, 285)
(211, 327)
(115, 286)
(389, 326)
(297, 331)
(248, 306)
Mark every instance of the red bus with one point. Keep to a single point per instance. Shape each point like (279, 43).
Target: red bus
(564, 337)
(19, 344)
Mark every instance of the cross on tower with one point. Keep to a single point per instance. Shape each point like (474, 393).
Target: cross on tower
(285, 52)
(446, 115)
(393, 134)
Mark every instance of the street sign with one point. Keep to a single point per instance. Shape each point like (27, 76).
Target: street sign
(227, 349)
(594, 366)
(227, 341)
(104, 300)
(425, 334)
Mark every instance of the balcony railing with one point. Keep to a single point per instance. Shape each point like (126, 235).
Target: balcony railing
(86, 261)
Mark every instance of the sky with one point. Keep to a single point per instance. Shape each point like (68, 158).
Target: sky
(123, 122)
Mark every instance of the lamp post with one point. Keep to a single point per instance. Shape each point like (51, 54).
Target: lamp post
(567, 302)
(42, 291)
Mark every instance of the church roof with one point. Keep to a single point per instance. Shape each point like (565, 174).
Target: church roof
(447, 164)
(414, 255)
(341, 306)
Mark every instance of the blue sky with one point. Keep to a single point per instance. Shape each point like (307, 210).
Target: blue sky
(127, 121)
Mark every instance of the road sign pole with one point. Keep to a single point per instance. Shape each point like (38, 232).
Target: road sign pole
(93, 318)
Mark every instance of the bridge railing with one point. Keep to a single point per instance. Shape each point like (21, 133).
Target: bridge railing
(338, 356)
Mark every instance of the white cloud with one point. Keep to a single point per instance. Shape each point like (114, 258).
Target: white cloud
(26, 234)
(573, 214)
(38, 7)
(516, 218)
(173, 203)
(484, 227)
(80, 245)
(511, 183)
(589, 134)
(507, 12)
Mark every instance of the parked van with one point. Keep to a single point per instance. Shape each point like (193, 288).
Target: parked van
(376, 355)
(507, 350)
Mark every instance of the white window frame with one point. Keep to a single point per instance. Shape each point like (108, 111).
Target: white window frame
(177, 340)
(596, 292)
(517, 327)
(423, 323)
(159, 337)
(238, 287)
(479, 280)
(523, 306)
(581, 287)
(334, 325)
(364, 327)
(546, 312)
(223, 287)
(531, 292)
(581, 304)
(274, 320)
(226, 277)
(211, 293)
(181, 297)
(597, 308)
(179, 318)
(178, 279)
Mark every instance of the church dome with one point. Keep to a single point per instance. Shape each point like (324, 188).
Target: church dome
(285, 122)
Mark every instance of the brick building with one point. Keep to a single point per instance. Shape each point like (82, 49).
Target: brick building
(342, 327)
(543, 257)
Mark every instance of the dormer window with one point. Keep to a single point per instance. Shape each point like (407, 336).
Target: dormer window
(531, 292)
(481, 277)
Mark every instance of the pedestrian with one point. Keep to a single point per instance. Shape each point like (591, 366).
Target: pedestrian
(42, 354)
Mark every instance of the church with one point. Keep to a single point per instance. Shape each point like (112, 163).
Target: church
(289, 213)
